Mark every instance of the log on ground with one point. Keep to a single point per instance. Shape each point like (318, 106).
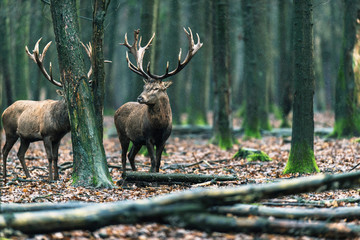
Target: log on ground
(291, 213)
(174, 177)
(215, 223)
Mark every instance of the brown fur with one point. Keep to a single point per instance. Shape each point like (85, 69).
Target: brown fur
(146, 122)
(34, 121)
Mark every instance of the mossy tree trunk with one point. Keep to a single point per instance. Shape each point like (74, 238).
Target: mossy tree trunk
(21, 71)
(5, 54)
(285, 82)
(90, 167)
(347, 115)
(222, 129)
(302, 159)
(171, 46)
(251, 123)
(199, 84)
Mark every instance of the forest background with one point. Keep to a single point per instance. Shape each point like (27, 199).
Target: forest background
(191, 96)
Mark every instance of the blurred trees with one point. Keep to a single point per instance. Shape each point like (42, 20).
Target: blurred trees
(191, 95)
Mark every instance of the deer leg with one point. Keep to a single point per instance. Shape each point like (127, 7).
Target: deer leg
(150, 148)
(49, 153)
(10, 141)
(24, 145)
(124, 148)
(159, 150)
(55, 155)
(133, 151)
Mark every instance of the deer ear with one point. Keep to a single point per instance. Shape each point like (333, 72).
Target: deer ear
(167, 84)
(60, 93)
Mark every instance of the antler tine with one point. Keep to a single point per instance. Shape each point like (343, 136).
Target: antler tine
(138, 52)
(193, 48)
(38, 59)
(88, 50)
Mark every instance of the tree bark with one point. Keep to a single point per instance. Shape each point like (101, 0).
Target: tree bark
(347, 102)
(98, 83)
(214, 223)
(5, 54)
(199, 83)
(90, 168)
(285, 83)
(251, 122)
(222, 129)
(174, 177)
(291, 213)
(302, 159)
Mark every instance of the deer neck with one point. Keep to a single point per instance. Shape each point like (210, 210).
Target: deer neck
(160, 114)
(60, 113)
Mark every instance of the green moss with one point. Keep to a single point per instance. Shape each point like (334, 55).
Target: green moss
(301, 160)
(224, 143)
(345, 127)
(252, 155)
(249, 133)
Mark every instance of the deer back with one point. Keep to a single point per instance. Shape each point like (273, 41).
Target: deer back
(34, 119)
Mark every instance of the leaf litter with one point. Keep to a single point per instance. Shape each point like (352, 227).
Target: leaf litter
(190, 154)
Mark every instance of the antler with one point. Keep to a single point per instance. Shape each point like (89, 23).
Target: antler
(138, 54)
(193, 48)
(38, 59)
(88, 50)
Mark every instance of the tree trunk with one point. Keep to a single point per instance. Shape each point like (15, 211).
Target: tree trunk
(347, 114)
(98, 82)
(5, 53)
(90, 168)
(222, 129)
(199, 83)
(302, 159)
(251, 123)
(285, 82)
(171, 46)
(263, 61)
(21, 68)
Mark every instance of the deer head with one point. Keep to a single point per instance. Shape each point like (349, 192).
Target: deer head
(154, 83)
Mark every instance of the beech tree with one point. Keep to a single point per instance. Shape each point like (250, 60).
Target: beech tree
(222, 132)
(347, 103)
(84, 100)
(302, 158)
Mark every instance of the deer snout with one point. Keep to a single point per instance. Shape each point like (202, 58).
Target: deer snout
(141, 99)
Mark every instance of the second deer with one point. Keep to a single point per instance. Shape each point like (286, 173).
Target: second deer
(149, 120)
(37, 120)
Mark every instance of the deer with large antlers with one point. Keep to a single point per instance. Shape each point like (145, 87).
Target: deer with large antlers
(149, 120)
(37, 120)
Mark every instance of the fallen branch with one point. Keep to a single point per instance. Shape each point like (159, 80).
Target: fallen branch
(32, 207)
(197, 202)
(291, 213)
(174, 177)
(308, 203)
(212, 223)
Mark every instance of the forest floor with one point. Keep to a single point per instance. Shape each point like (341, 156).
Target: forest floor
(332, 156)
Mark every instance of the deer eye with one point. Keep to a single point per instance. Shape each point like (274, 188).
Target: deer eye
(156, 89)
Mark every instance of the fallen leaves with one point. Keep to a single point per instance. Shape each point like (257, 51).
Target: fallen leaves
(193, 155)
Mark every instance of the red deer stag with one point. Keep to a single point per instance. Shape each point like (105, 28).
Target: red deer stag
(37, 120)
(148, 121)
